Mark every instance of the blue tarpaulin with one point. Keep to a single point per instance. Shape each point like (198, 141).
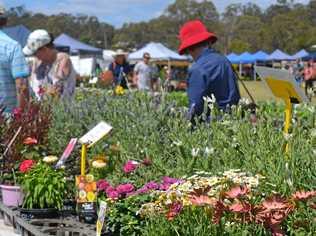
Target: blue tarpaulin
(300, 54)
(76, 46)
(278, 55)
(19, 33)
(157, 51)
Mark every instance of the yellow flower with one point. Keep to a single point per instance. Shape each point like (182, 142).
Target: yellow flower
(119, 90)
(98, 164)
(91, 197)
(89, 178)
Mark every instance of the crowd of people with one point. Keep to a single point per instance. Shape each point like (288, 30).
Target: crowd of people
(52, 72)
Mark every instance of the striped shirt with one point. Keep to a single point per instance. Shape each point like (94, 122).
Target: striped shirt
(12, 66)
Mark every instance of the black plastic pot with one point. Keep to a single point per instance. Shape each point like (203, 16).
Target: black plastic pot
(46, 213)
(69, 208)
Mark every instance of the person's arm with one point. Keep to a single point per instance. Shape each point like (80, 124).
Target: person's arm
(135, 74)
(20, 72)
(196, 92)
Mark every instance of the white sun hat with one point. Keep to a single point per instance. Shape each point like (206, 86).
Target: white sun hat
(37, 39)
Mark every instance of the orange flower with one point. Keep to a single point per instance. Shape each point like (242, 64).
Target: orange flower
(30, 141)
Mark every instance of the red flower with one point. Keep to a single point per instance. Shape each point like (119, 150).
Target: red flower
(30, 141)
(26, 165)
(147, 162)
(218, 212)
(301, 195)
(17, 113)
(41, 91)
(237, 192)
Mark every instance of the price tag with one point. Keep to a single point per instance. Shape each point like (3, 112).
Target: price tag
(96, 134)
(70, 147)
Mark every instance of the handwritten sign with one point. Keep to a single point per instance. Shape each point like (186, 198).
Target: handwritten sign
(96, 134)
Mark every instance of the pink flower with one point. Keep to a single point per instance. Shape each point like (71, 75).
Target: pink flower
(130, 166)
(202, 200)
(125, 188)
(240, 207)
(102, 185)
(112, 193)
(30, 141)
(237, 192)
(301, 195)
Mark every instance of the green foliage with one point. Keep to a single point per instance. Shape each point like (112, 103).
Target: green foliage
(44, 187)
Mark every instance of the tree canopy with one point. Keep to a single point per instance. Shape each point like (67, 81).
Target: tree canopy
(286, 24)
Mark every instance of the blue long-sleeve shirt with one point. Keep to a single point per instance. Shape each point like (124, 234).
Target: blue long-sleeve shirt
(211, 73)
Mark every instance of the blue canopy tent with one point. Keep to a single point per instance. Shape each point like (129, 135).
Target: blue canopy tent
(232, 57)
(278, 55)
(260, 56)
(302, 53)
(310, 56)
(19, 33)
(245, 58)
(75, 46)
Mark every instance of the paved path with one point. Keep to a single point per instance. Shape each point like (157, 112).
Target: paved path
(6, 230)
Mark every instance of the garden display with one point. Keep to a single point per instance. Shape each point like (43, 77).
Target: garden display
(155, 174)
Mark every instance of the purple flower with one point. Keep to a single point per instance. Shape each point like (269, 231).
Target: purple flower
(130, 166)
(112, 192)
(169, 180)
(164, 186)
(102, 185)
(123, 189)
(151, 185)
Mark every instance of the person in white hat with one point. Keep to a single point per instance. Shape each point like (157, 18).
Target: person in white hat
(120, 69)
(13, 71)
(52, 71)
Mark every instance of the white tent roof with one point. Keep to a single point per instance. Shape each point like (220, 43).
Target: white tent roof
(157, 52)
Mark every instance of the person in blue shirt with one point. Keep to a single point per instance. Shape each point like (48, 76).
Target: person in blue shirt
(120, 69)
(211, 72)
(13, 71)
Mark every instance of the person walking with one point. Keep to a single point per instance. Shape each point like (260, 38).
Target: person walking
(143, 74)
(120, 69)
(14, 71)
(211, 72)
(52, 71)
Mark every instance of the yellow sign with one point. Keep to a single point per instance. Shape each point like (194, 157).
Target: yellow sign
(283, 85)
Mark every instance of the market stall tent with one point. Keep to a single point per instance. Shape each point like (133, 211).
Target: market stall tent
(158, 52)
(302, 53)
(260, 56)
(19, 33)
(310, 56)
(278, 55)
(75, 46)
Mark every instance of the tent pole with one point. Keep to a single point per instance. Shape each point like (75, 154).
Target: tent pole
(254, 71)
(240, 69)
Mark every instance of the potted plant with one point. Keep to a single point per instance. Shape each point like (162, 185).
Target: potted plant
(24, 136)
(45, 189)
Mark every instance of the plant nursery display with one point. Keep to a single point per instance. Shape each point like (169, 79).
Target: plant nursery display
(155, 174)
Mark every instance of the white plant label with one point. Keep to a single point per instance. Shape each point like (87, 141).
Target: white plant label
(96, 134)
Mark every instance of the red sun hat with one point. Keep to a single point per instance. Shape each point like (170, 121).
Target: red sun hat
(194, 32)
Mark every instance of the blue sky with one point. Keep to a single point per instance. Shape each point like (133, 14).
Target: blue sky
(116, 12)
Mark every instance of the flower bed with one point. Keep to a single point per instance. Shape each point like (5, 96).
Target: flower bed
(161, 178)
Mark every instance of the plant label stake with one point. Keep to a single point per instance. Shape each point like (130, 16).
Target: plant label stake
(283, 85)
(70, 147)
(86, 185)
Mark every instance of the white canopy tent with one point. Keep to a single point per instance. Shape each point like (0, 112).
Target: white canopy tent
(158, 52)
